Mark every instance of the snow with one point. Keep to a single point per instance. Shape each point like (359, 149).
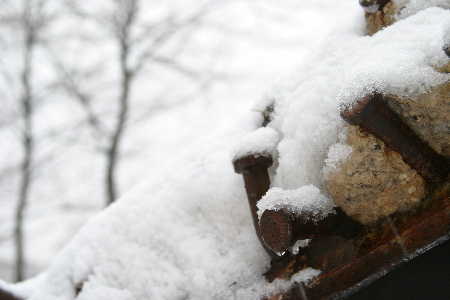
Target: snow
(263, 140)
(337, 154)
(188, 234)
(306, 200)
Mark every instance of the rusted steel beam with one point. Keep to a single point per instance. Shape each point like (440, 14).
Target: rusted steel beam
(349, 264)
(281, 229)
(5, 295)
(257, 182)
(372, 114)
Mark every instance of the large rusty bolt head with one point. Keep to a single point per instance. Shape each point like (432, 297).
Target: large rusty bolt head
(256, 160)
(362, 109)
(276, 230)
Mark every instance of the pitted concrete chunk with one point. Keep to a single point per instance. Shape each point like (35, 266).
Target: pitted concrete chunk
(374, 181)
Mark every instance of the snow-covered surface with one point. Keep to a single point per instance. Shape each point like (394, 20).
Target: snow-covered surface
(188, 233)
(263, 140)
(306, 200)
(337, 154)
(238, 59)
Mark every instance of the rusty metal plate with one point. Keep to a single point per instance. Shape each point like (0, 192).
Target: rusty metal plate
(349, 265)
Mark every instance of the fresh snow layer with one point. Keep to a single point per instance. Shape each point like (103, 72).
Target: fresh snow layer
(305, 200)
(263, 140)
(189, 234)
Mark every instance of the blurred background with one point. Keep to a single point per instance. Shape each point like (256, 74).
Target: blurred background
(97, 96)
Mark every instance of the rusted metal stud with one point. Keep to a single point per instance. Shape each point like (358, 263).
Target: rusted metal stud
(373, 5)
(257, 183)
(281, 229)
(375, 117)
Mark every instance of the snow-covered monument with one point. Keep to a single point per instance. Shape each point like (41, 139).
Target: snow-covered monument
(346, 170)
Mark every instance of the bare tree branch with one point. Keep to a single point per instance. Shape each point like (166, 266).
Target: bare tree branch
(125, 18)
(30, 35)
(69, 84)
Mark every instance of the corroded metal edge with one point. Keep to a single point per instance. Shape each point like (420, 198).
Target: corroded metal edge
(349, 265)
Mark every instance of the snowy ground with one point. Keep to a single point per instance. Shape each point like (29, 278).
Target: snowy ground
(262, 41)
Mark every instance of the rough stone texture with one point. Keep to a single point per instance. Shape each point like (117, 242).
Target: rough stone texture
(380, 19)
(374, 181)
(429, 117)
(389, 14)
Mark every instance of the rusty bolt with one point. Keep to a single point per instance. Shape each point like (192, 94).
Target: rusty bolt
(281, 229)
(373, 5)
(375, 117)
(257, 183)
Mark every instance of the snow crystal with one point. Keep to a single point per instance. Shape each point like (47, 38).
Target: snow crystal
(299, 244)
(337, 154)
(264, 140)
(307, 199)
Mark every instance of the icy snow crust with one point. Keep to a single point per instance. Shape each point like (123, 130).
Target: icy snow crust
(189, 234)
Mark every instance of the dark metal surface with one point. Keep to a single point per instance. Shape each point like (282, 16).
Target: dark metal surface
(348, 265)
(425, 277)
(372, 114)
(257, 183)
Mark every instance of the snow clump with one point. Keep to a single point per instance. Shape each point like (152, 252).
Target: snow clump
(304, 200)
(264, 140)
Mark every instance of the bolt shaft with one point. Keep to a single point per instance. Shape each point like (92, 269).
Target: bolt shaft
(375, 117)
(257, 183)
(281, 229)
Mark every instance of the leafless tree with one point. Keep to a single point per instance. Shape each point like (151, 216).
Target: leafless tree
(28, 19)
(137, 45)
